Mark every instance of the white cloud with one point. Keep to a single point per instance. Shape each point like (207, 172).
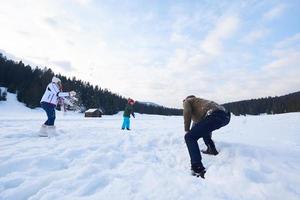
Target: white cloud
(285, 62)
(290, 41)
(224, 29)
(198, 55)
(147, 54)
(178, 38)
(64, 65)
(83, 2)
(275, 12)
(286, 55)
(281, 73)
(255, 35)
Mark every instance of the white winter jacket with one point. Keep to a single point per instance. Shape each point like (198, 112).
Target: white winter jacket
(52, 93)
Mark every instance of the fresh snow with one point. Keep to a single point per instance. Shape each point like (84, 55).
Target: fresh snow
(91, 158)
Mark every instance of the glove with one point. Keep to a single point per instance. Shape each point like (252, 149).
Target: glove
(72, 93)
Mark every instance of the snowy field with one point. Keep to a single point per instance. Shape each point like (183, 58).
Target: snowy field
(93, 159)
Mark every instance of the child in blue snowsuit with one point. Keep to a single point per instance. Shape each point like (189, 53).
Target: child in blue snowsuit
(126, 115)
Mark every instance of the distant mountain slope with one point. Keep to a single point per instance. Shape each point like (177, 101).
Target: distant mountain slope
(149, 103)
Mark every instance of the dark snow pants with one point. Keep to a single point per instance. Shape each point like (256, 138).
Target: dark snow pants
(50, 110)
(203, 129)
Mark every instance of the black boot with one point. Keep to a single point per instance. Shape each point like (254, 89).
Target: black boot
(198, 170)
(211, 150)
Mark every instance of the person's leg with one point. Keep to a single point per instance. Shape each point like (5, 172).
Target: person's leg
(51, 115)
(50, 111)
(43, 129)
(203, 129)
(128, 123)
(47, 109)
(211, 148)
(221, 119)
(124, 123)
(207, 139)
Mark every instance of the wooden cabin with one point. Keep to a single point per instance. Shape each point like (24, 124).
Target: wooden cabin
(94, 112)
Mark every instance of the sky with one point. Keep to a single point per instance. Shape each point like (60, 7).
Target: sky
(161, 50)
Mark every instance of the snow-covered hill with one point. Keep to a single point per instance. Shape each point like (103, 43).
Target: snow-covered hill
(94, 159)
(150, 104)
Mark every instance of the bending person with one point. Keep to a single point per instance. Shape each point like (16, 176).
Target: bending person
(207, 116)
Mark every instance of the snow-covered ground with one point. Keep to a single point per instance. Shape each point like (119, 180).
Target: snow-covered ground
(93, 159)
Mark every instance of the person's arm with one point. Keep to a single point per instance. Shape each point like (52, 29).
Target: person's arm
(63, 94)
(131, 111)
(187, 115)
(55, 90)
(67, 94)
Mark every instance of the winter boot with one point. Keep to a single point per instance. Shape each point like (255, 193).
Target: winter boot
(51, 130)
(211, 150)
(43, 131)
(198, 170)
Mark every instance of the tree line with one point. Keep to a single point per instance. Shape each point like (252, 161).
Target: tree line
(269, 105)
(29, 84)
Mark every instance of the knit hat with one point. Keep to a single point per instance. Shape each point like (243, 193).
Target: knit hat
(55, 79)
(130, 101)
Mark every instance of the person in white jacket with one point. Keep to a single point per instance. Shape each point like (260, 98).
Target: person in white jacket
(50, 100)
